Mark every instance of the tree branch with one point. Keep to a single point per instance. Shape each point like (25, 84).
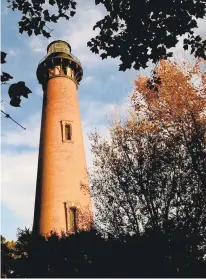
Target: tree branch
(8, 116)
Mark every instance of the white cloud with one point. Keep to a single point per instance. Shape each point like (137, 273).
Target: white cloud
(13, 52)
(38, 44)
(87, 80)
(18, 183)
(201, 30)
(28, 137)
(80, 32)
(117, 112)
(97, 118)
(2, 107)
(87, 129)
(179, 52)
(77, 31)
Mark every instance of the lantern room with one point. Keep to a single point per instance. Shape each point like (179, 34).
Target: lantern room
(59, 61)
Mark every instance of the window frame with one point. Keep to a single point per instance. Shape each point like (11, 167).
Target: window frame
(68, 205)
(65, 123)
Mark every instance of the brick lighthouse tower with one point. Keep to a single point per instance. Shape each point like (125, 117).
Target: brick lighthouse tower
(61, 204)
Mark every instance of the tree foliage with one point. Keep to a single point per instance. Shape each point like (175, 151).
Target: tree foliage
(89, 254)
(148, 189)
(136, 31)
(4, 76)
(7, 250)
(150, 174)
(16, 90)
(35, 14)
(143, 30)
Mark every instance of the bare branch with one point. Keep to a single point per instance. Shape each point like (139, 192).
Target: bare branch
(8, 116)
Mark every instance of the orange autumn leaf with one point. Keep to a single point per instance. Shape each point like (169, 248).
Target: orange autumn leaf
(176, 99)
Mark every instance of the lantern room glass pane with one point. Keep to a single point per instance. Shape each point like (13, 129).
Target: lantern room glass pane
(59, 47)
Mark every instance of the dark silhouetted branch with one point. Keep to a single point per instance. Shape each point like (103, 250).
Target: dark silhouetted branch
(8, 116)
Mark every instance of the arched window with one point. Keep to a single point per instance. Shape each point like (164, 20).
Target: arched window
(68, 135)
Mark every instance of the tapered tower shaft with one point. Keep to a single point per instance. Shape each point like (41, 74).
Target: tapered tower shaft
(61, 204)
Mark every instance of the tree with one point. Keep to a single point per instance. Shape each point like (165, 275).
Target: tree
(135, 31)
(176, 104)
(35, 15)
(139, 31)
(89, 254)
(7, 254)
(150, 174)
(16, 90)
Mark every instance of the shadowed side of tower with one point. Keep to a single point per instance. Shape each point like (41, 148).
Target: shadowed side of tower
(61, 204)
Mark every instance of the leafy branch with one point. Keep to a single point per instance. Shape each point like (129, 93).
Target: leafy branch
(34, 17)
(15, 91)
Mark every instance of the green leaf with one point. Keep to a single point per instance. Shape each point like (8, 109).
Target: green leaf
(37, 31)
(72, 13)
(5, 77)
(15, 102)
(3, 56)
(52, 2)
(54, 18)
(185, 47)
(29, 32)
(46, 34)
(18, 89)
(103, 56)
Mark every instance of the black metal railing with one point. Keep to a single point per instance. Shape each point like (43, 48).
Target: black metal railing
(71, 54)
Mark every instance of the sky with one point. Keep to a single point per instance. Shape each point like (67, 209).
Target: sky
(102, 89)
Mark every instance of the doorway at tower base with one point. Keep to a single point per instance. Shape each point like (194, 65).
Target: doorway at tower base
(76, 218)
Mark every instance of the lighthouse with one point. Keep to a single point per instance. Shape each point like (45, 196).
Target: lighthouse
(61, 203)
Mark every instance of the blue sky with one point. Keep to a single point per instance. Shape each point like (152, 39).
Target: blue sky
(102, 88)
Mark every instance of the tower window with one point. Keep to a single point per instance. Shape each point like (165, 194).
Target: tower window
(73, 225)
(68, 132)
